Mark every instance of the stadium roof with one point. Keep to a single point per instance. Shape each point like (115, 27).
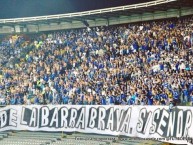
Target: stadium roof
(31, 8)
(127, 10)
(152, 10)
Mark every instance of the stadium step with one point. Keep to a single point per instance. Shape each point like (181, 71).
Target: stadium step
(46, 138)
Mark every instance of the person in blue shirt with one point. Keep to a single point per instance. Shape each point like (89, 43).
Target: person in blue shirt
(20, 100)
(185, 95)
(103, 101)
(131, 101)
(65, 99)
(118, 100)
(13, 100)
(36, 100)
(191, 96)
(111, 100)
(176, 96)
(46, 78)
(50, 97)
(79, 101)
(123, 96)
(135, 45)
(163, 98)
(150, 100)
(157, 97)
(191, 88)
(149, 97)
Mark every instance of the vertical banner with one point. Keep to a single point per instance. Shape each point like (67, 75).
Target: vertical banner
(152, 122)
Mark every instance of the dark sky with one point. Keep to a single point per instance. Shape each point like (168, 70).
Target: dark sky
(27, 8)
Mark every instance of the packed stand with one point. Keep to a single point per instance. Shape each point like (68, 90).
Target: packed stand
(150, 63)
(12, 48)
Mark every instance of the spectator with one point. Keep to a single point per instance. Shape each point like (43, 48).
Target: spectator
(149, 64)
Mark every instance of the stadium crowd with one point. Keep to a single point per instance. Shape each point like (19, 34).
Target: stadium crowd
(150, 63)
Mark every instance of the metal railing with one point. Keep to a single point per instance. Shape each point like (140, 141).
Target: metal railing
(85, 13)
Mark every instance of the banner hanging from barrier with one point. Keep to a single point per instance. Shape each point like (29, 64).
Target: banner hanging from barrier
(154, 122)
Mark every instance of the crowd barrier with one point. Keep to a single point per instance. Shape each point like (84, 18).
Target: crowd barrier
(175, 125)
